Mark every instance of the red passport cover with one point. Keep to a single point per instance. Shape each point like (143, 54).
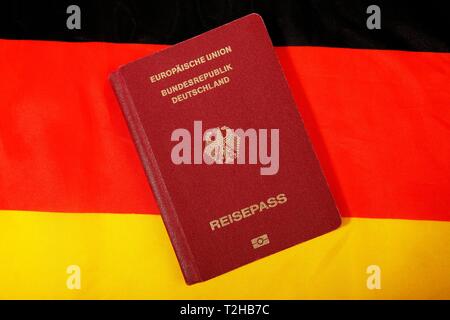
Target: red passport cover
(221, 216)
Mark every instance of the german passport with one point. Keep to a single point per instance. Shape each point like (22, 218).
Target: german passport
(224, 149)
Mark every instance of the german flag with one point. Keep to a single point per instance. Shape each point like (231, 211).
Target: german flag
(74, 200)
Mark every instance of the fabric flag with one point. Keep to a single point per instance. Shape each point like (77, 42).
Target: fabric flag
(73, 191)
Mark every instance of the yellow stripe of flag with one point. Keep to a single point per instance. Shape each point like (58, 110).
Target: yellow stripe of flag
(127, 256)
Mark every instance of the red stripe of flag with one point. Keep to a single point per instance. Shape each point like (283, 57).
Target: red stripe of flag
(379, 121)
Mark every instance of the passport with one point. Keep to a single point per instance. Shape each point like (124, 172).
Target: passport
(224, 149)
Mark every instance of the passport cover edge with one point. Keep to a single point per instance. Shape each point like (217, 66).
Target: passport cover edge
(169, 215)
